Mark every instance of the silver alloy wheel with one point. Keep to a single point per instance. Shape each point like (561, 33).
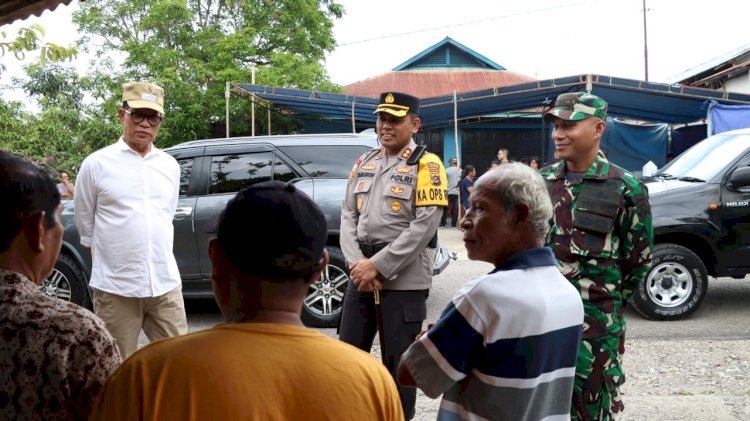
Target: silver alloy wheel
(669, 284)
(326, 296)
(57, 285)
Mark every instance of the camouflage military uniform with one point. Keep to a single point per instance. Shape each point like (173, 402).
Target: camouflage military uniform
(602, 237)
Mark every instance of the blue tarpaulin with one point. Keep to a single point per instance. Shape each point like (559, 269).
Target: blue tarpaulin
(683, 138)
(631, 146)
(723, 118)
(628, 99)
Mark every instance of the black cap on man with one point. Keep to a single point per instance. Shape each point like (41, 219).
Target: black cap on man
(398, 104)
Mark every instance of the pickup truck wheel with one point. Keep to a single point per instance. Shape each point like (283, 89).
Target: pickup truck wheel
(674, 287)
(325, 298)
(68, 283)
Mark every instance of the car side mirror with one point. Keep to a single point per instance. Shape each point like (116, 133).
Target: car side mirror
(740, 177)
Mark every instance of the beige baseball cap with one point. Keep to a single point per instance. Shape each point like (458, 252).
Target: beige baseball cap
(143, 95)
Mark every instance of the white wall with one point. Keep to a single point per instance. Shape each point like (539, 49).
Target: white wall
(739, 84)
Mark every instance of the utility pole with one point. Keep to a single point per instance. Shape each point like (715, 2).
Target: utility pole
(645, 41)
(252, 104)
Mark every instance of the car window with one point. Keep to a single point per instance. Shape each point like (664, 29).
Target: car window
(708, 157)
(326, 161)
(281, 171)
(230, 173)
(186, 170)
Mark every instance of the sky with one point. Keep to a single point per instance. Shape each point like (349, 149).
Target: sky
(543, 39)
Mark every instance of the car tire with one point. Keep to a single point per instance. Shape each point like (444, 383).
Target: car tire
(67, 282)
(325, 298)
(674, 287)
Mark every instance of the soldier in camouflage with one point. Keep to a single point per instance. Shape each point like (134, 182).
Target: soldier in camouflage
(602, 237)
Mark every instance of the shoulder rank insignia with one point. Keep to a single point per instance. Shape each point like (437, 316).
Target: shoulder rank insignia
(406, 154)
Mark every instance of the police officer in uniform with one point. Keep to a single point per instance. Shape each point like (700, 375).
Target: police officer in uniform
(602, 237)
(389, 220)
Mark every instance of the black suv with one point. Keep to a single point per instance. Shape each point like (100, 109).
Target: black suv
(700, 204)
(212, 171)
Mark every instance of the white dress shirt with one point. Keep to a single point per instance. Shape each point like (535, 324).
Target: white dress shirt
(124, 206)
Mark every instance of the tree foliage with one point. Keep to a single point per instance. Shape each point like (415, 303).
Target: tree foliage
(192, 48)
(66, 130)
(30, 39)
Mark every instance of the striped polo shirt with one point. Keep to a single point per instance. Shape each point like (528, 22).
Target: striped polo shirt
(505, 347)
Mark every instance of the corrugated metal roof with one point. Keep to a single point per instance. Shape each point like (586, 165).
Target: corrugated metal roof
(425, 84)
(13, 10)
(709, 65)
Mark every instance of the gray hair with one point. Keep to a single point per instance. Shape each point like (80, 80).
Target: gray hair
(516, 183)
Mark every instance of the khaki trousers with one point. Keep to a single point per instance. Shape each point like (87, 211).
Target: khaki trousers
(159, 317)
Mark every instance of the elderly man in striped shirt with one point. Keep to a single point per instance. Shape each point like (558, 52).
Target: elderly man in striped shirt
(505, 347)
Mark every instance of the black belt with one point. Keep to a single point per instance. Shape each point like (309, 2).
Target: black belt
(371, 249)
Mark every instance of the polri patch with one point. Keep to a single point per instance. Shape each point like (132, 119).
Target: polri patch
(434, 170)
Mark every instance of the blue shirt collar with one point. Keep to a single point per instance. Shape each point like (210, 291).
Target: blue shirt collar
(540, 256)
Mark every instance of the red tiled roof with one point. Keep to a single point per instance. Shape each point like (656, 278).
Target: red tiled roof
(426, 84)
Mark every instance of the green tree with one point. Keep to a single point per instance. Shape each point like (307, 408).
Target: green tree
(66, 129)
(14, 131)
(193, 47)
(47, 138)
(53, 86)
(30, 39)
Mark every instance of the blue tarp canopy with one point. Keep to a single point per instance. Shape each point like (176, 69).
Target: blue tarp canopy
(627, 98)
(723, 118)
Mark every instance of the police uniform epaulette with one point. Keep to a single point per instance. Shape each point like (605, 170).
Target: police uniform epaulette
(370, 153)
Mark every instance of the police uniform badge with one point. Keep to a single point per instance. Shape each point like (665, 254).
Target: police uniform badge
(431, 182)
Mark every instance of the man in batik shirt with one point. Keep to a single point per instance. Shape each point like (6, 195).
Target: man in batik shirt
(55, 355)
(602, 237)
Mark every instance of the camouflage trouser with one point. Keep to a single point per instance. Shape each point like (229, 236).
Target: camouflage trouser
(596, 394)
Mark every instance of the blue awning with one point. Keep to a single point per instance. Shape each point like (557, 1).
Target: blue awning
(627, 98)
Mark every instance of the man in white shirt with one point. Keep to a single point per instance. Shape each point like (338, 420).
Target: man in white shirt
(126, 195)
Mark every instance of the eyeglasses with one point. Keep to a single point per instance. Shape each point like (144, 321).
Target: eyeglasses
(153, 120)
